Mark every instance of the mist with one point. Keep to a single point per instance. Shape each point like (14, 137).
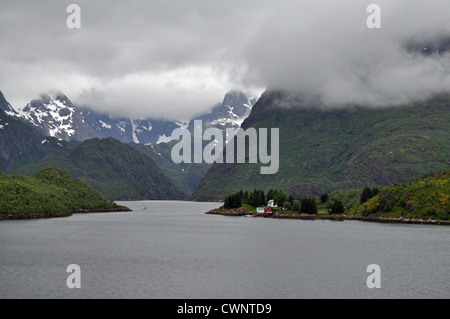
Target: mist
(177, 59)
(324, 50)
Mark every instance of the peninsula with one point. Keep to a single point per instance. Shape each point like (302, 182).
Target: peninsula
(50, 193)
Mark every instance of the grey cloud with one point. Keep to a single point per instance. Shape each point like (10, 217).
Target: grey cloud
(177, 58)
(119, 44)
(324, 48)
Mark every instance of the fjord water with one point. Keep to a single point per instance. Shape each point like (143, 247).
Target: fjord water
(174, 250)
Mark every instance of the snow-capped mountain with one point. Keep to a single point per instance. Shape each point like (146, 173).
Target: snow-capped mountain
(53, 114)
(143, 131)
(235, 108)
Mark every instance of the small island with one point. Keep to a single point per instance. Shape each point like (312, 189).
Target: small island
(423, 201)
(50, 193)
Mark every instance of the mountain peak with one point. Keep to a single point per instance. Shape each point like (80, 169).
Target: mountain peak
(235, 97)
(55, 115)
(5, 106)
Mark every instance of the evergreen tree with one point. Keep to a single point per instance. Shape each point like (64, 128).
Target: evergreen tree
(366, 194)
(291, 199)
(375, 191)
(271, 194)
(279, 198)
(233, 201)
(227, 202)
(324, 198)
(262, 198)
(238, 201)
(309, 206)
(253, 200)
(245, 198)
(338, 208)
(296, 206)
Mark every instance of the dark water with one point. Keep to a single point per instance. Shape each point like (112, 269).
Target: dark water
(173, 250)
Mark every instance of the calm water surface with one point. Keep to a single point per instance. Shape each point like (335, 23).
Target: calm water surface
(174, 250)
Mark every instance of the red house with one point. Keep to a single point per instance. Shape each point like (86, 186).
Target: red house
(267, 210)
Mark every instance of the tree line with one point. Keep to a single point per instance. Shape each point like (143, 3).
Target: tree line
(255, 198)
(303, 205)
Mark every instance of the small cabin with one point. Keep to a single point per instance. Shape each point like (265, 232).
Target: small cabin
(263, 210)
(240, 210)
(260, 210)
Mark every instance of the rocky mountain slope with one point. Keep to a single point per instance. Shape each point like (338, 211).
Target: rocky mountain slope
(21, 143)
(185, 176)
(113, 169)
(322, 150)
(53, 114)
(26, 147)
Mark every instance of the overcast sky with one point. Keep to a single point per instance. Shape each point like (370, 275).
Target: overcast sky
(177, 58)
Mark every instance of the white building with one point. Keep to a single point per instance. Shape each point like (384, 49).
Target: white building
(271, 204)
(260, 210)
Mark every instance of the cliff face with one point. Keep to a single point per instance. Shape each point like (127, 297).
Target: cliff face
(323, 150)
(5, 106)
(21, 144)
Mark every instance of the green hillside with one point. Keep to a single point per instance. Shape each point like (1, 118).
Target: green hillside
(324, 150)
(50, 191)
(424, 198)
(185, 176)
(113, 169)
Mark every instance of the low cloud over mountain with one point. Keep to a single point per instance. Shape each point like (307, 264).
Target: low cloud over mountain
(161, 60)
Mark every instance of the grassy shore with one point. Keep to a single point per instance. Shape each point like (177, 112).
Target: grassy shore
(51, 193)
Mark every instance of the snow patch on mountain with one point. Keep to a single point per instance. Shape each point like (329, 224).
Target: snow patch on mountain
(121, 128)
(105, 125)
(232, 119)
(183, 124)
(53, 113)
(164, 139)
(134, 132)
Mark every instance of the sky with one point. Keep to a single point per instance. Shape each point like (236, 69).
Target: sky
(176, 59)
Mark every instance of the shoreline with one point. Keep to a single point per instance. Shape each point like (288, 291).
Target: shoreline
(60, 215)
(340, 218)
